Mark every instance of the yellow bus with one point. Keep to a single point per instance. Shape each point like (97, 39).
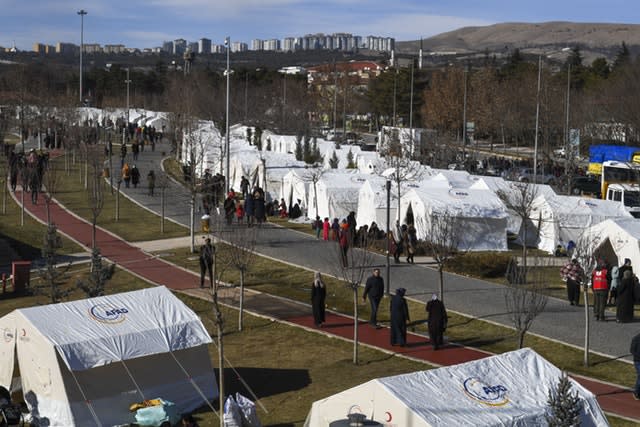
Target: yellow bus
(614, 172)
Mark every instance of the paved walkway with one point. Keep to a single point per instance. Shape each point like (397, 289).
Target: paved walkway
(305, 251)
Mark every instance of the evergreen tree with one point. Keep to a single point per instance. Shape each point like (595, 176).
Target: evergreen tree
(306, 150)
(298, 151)
(350, 162)
(333, 161)
(564, 406)
(249, 135)
(600, 68)
(52, 277)
(100, 274)
(257, 138)
(623, 57)
(317, 157)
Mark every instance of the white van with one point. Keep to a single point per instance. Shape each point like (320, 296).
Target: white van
(627, 194)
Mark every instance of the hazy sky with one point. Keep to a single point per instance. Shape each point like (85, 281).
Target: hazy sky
(147, 23)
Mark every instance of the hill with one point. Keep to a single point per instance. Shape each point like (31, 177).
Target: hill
(594, 39)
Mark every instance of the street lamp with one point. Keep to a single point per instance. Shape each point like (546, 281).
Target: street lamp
(128, 81)
(535, 140)
(81, 12)
(227, 45)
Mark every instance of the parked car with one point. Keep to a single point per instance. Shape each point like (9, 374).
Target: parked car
(588, 184)
(526, 175)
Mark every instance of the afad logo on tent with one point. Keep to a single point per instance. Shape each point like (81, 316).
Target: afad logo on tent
(491, 395)
(108, 314)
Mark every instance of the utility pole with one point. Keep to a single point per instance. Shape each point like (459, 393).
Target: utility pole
(227, 44)
(82, 13)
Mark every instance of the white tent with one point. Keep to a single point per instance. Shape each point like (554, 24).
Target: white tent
(614, 240)
(513, 192)
(82, 363)
(337, 193)
(372, 203)
(510, 389)
(556, 220)
(481, 214)
(295, 186)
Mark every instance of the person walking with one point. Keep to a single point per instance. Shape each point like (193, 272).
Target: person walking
(625, 298)
(572, 273)
(317, 226)
(635, 352)
(126, 175)
(318, 296)
(344, 241)
(325, 229)
(135, 176)
(374, 289)
(151, 181)
(600, 291)
(615, 282)
(206, 261)
(399, 318)
(437, 318)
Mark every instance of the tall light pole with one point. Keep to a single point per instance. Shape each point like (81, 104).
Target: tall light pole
(81, 12)
(535, 138)
(226, 132)
(568, 152)
(128, 81)
(464, 120)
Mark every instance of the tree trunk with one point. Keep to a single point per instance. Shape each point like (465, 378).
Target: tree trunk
(221, 374)
(192, 208)
(441, 274)
(162, 212)
(241, 311)
(355, 323)
(586, 326)
(521, 335)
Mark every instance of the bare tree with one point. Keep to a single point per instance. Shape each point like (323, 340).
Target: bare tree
(352, 266)
(50, 181)
(241, 252)
(443, 234)
(95, 190)
(586, 254)
(313, 176)
(397, 165)
(518, 198)
(525, 301)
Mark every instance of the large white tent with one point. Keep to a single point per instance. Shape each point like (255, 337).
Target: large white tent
(614, 240)
(510, 389)
(336, 193)
(557, 220)
(481, 214)
(372, 203)
(295, 187)
(82, 363)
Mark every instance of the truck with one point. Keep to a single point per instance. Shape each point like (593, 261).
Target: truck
(600, 153)
(628, 195)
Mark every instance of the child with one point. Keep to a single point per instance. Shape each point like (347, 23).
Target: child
(325, 229)
(240, 213)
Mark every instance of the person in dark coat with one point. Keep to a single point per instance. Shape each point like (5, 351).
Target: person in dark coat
(229, 207)
(399, 318)
(624, 298)
(374, 288)
(635, 352)
(259, 209)
(135, 176)
(206, 261)
(318, 296)
(437, 318)
(248, 209)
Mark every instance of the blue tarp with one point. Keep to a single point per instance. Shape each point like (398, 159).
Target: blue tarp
(603, 152)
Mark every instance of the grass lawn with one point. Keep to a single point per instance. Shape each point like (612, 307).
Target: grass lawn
(284, 280)
(135, 224)
(26, 240)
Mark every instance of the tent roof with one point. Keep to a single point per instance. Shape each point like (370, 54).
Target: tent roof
(507, 389)
(463, 202)
(98, 331)
(572, 211)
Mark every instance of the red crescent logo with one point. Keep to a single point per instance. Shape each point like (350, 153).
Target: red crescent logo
(389, 416)
(24, 333)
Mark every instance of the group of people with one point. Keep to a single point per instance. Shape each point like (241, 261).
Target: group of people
(131, 176)
(252, 210)
(610, 285)
(30, 169)
(399, 310)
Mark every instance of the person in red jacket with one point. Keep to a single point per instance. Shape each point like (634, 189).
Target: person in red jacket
(600, 290)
